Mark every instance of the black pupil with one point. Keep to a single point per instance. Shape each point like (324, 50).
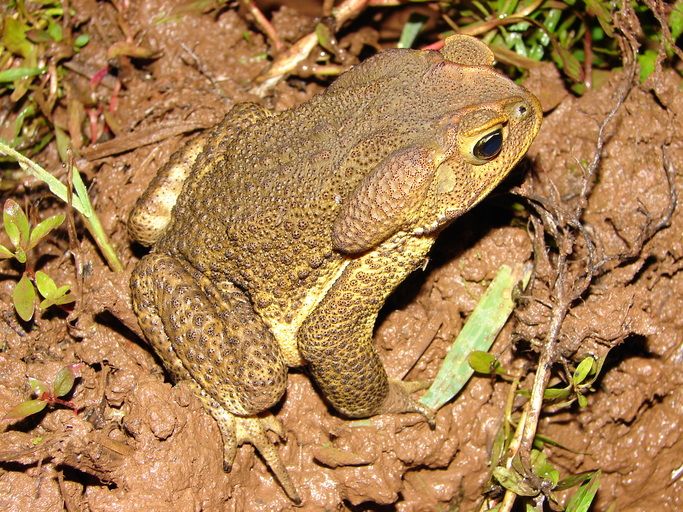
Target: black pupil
(489, 146)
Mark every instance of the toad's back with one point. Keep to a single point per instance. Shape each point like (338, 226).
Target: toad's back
(260, 203)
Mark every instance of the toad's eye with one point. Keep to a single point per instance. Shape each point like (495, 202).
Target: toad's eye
(488, 147)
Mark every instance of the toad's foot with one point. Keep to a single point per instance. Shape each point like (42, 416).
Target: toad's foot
(399, 400)
(237, 430)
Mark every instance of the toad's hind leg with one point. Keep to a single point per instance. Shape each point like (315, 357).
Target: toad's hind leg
(152, 212)
(212, 339)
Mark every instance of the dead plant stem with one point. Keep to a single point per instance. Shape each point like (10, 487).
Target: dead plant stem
(287, 61)
(565, 227)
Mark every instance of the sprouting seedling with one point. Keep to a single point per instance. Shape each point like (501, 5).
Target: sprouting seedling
(24, 238)
(80, 201)
(581, 381)
(46, 394)
(545, 481)
(19, 231)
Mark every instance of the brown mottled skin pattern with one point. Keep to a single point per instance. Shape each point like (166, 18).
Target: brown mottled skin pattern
(278, 236)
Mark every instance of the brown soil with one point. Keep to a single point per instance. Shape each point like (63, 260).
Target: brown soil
(139, 443)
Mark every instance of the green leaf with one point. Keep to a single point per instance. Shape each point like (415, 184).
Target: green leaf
(478, 333)
(601, 10)
(482, 362)
(5, 253)
(81, 194)
(573, 480)
(676, 20)
(513, 481)
(43, 228)
(548, 440)
(64, 381)
(582, 499)
(81, 40)
(55, 186)
(57, 301)
(542, 468)
(570, 64)
(23, 297)
(25, 113)
(15, 40)
(552, 18)
(647, 61)
(16, 223)
(556, 393)
(53, 295)
(20, 255)
(326, 37)
(498, 447)
(597, 368)
(62, 290)
(411, 30)
(14, 74)
(582, 370)
(66, 298)
(38, 387)
(46, 285)
(583, 401)
(25, 409)
(55, 31)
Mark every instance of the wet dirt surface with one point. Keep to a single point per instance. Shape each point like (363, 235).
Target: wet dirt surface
(140, 443)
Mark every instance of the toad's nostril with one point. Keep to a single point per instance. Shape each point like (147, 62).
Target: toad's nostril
(521, 110)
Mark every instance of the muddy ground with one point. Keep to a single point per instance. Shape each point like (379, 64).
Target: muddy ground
(139, 443)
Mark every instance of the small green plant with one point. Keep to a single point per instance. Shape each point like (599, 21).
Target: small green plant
(537, 480)
(76, 196)
(544, 482)
(478, 333)
(578, 36)
(31, 70)
(46, 394)
(24, 239)
(581, 381)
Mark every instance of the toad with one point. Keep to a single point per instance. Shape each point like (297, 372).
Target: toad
(278, 236)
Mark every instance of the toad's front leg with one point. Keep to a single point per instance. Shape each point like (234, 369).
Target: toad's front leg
(336, 339)
(210, 337)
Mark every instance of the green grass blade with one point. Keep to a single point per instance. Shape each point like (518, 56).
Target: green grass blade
(82, 193)
(56, 187)
(479, 332)
(582, 499)
(411, 30)
(12, 74)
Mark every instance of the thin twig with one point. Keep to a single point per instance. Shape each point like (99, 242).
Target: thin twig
(263, 23)
(288, 61)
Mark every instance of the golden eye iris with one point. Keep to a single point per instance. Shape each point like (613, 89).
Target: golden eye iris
(488, 147)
